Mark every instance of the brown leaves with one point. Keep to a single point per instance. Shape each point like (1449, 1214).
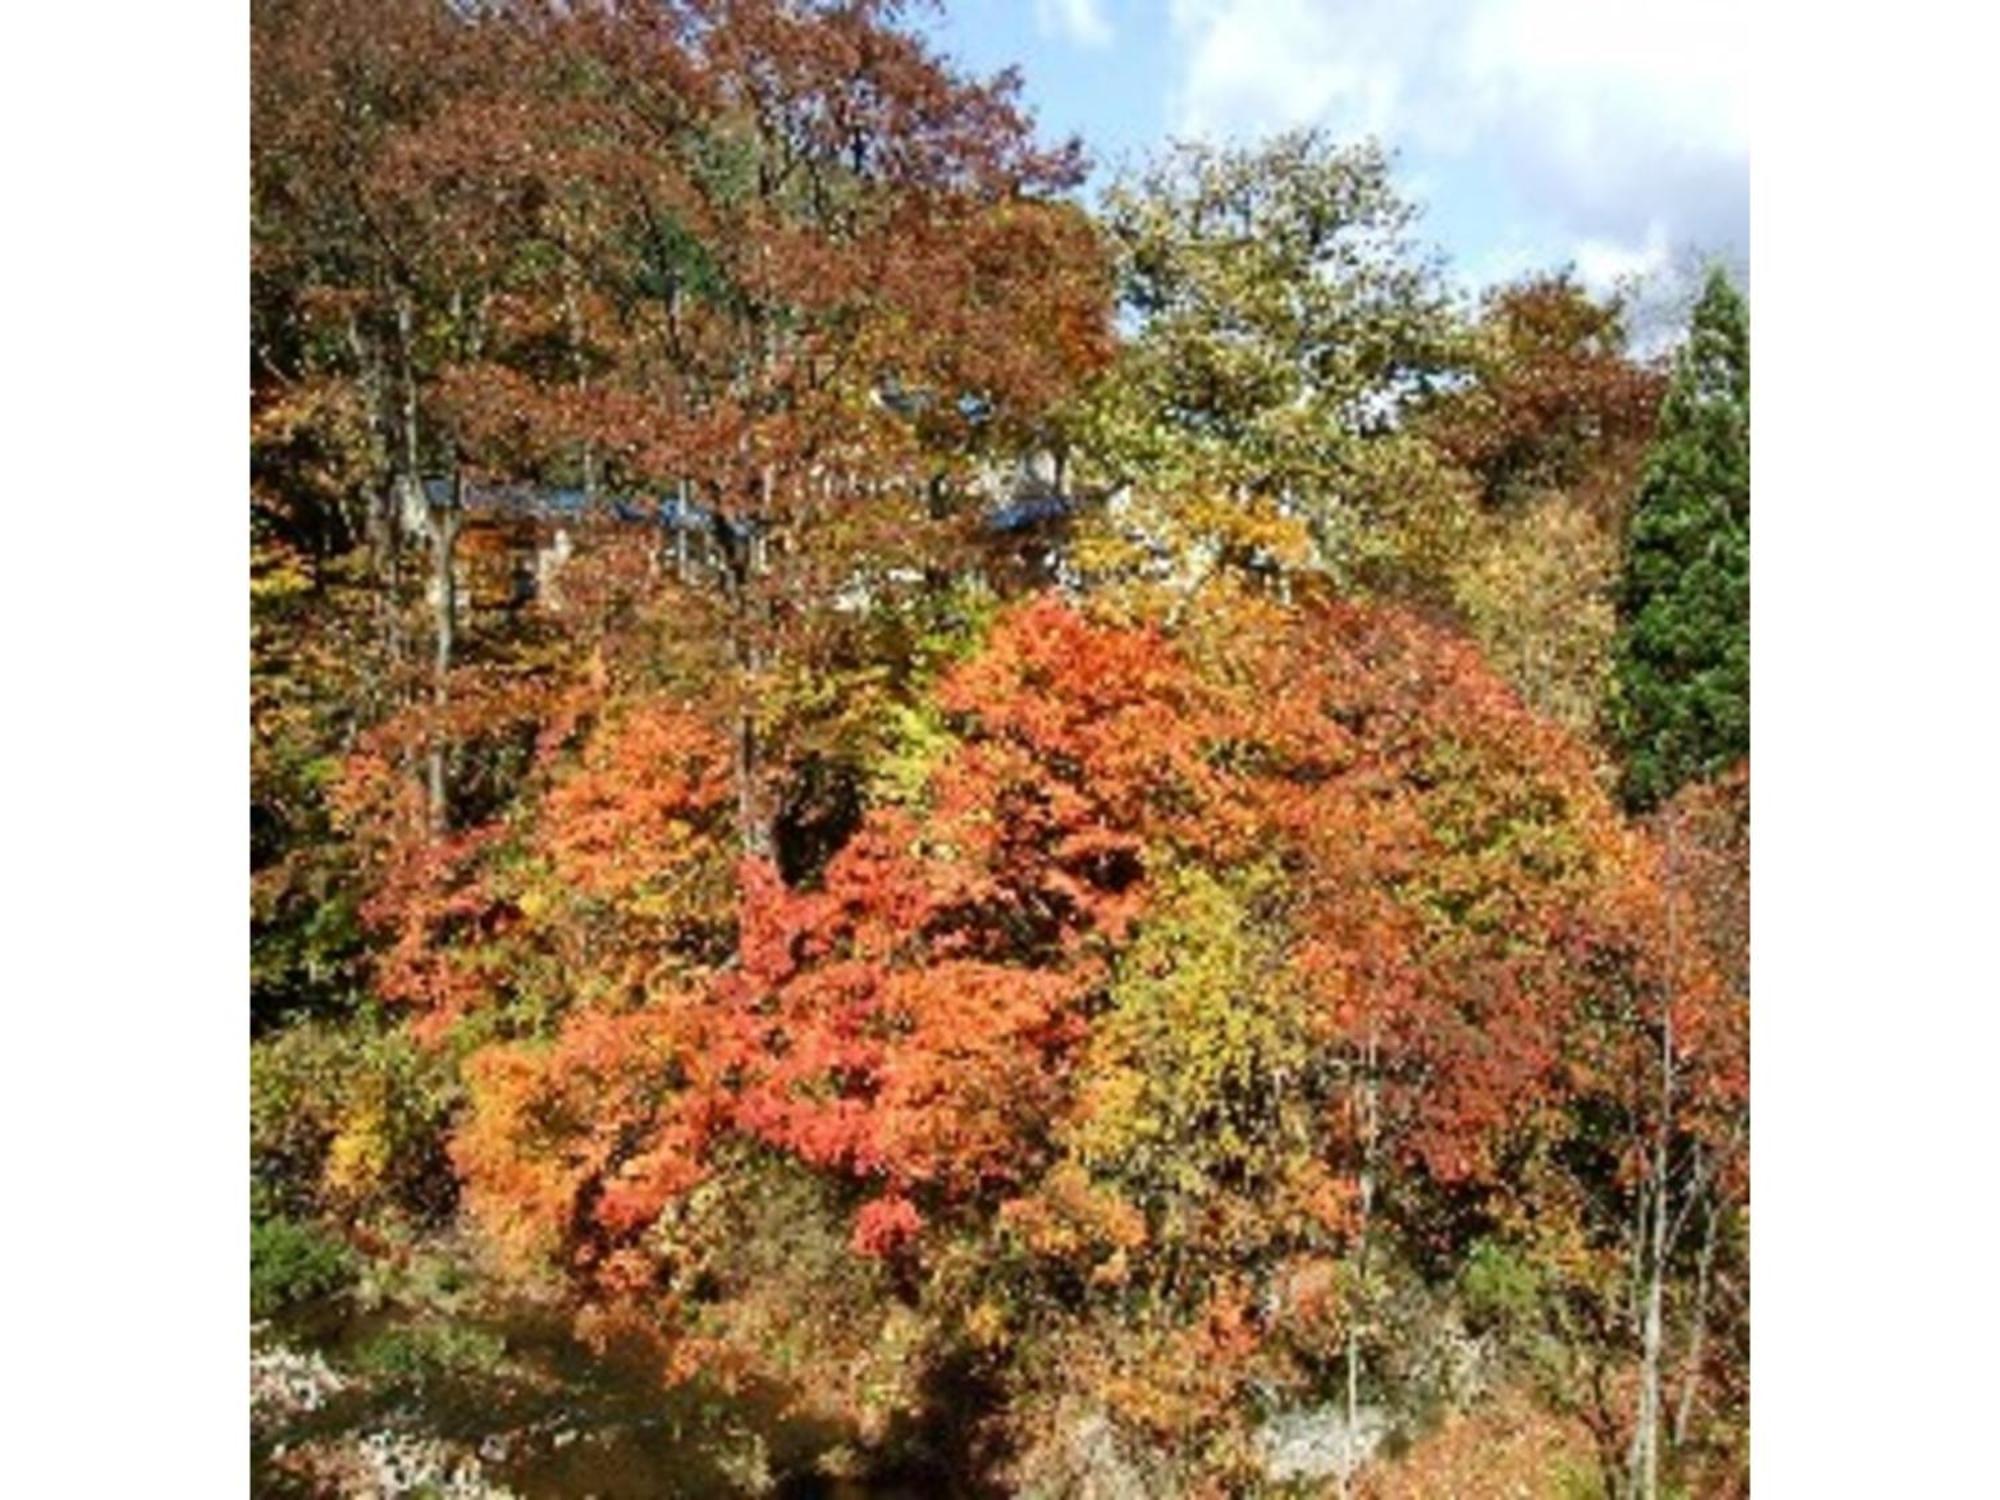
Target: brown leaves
(1557, 405)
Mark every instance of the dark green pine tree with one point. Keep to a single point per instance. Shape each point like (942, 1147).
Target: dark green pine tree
(1681, 705)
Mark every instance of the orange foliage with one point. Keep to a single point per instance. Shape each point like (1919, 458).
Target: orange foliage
(647, 789)
(574, 1145)
(1507, 1449)
(1460, 920)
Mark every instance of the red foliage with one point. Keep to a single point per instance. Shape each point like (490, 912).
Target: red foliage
(885, 1225)
(911, 1021)
(1459, 898)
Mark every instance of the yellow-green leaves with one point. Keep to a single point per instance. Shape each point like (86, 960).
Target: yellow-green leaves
(1188, 1072)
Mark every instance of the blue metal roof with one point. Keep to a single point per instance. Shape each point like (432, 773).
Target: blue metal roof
(1029, 510)
(565, 503)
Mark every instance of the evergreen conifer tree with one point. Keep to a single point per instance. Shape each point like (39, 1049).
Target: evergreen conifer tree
(1682, 694)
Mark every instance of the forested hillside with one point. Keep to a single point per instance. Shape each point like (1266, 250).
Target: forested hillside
(915, 834)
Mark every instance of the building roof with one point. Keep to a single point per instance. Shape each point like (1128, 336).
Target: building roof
(1028, 505)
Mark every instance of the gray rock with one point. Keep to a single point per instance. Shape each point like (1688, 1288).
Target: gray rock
(1102, 1466)
(1085, 1457)
(401, 1464)
(287, 1383)
(1314, 1442)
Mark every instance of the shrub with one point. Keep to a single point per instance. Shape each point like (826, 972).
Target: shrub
(293, 1262)
(425, 1353)
(350, 1120)
(1500, 1289)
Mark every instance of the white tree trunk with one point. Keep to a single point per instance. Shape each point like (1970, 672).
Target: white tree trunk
(444, 523)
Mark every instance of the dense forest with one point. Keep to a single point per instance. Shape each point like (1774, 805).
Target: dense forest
(913, 833)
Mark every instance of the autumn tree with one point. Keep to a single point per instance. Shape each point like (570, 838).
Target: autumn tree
(776, 262)
(1555, 401)
(1705, 827)
(390, 224)
(1225, 974)
(778, 265)
(1552, 424)
(313, 665)
(1138, 1005)
(1282, 317)
(1683, 661)
(1330, 1056)
(1639, 1196)
(832, 270)
(329, 642)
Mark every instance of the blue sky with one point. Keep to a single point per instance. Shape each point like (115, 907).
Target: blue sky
(1606, 134)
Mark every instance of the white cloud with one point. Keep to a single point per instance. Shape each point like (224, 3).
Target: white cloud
(1079, 21)
(1619, 127)
(1603, 264)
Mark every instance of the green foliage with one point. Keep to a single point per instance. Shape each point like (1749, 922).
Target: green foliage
(349, 1119)
(293, 1262)
(310, 679)
(1282, 316)
(762, 1259)
(914, 739)
(857, 720)
(1499, 1288)
(1576, 1480)
(1683, 670)
(412, 1356)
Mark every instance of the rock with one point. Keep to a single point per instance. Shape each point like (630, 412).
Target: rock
(746, 1464)
(1086, 1457)
(287, 1383)
(387, 1466)
(404, 1464)
(1107, 1472)
(1314, 1442)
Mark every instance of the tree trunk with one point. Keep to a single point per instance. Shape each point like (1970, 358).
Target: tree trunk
(385, 550)
(411, 487)
(1698, 1332)
(742, 557)
(750, 813)
(444, 543)
(1646, 1433)
(681, 536)
(384, 498)
(1369, 1124)
(581, 375)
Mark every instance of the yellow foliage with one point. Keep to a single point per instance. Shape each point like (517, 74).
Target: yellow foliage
(357, 1162)
(1536, 591)
(986, 1326)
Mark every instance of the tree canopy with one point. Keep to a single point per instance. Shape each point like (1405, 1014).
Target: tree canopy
(994, 818)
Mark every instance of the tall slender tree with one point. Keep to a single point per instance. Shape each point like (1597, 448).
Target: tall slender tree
(1682, 709)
